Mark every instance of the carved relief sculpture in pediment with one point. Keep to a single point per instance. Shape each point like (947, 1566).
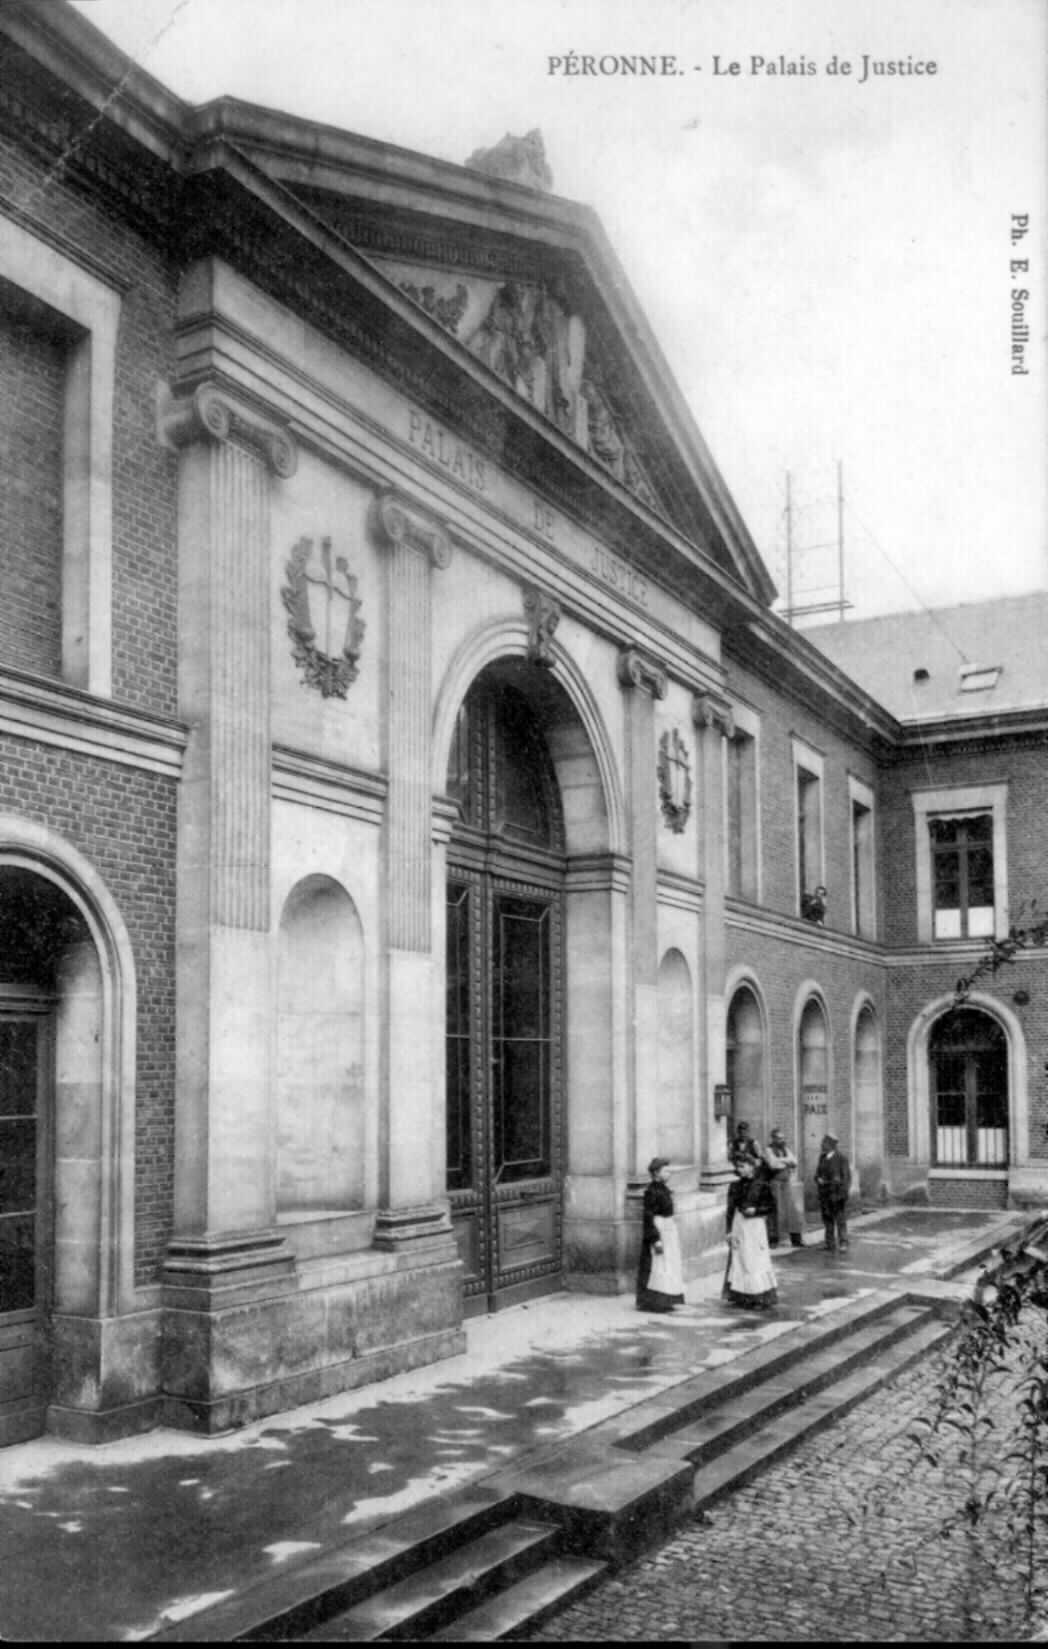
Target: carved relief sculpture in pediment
(447, 310)
(326, 634)
(531, 336)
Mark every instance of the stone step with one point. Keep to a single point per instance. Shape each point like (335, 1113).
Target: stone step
(650, 1419)
(526, 1604)
(717, 1427)
(291, 1602)
(427, 1599)
(761, 1448)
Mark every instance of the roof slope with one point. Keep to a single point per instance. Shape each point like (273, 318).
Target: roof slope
(981, 657)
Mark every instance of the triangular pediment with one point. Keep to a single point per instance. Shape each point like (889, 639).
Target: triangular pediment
(527, 286)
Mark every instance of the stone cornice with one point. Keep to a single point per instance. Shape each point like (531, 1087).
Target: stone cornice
(786, 661)
(793, 930)
(313, 781)
(68, 719)
(969, 733)
(955, 957)
(681, 892)
(599, 873)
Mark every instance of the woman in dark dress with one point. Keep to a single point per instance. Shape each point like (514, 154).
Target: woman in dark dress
(750, 1278)
(660, 1283)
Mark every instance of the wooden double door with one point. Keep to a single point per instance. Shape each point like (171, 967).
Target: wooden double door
(504, 979)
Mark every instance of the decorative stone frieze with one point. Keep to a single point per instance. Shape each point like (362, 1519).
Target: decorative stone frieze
(708, 711)
(675, 781)
(543, 616)
(209, 413)
(637, 669)
(404, 525)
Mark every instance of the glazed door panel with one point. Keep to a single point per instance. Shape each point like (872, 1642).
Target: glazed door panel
(503, 1086)
(25, 1224)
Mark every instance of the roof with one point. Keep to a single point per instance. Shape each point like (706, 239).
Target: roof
(976, 659)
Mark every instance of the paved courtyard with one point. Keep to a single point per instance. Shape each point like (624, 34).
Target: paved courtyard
(114, 1542)
(852, 1538)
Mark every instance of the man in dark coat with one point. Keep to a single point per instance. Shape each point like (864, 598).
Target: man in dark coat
(833, 1181)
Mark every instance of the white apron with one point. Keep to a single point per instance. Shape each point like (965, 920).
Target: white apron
(750, 1270)
(667, 1275)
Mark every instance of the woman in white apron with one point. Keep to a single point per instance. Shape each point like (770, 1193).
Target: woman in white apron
(750, 1279)
(660, 1280)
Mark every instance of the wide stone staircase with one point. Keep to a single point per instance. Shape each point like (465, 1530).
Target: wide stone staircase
(499, 1559)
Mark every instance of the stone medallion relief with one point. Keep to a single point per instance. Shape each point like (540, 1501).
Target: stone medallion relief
(326, 631)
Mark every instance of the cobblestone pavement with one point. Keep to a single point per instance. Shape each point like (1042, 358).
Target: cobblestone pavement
(852, 1538)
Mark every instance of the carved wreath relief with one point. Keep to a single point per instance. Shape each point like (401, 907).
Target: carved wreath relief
(326, 633)
(674, 773)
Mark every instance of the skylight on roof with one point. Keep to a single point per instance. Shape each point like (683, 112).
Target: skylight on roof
(979, 678)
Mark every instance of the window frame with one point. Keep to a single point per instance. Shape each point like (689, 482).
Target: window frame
(864, 903)
(810, 762)
(958, 802)
(37, 267)
(747, 726)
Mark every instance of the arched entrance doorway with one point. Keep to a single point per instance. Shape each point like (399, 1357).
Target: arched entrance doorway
(813, 1066)
(504, 981)
(744, 1047)
(50, 988)
(968, 1089)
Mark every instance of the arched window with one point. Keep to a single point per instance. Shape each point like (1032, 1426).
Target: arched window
(968, 1085)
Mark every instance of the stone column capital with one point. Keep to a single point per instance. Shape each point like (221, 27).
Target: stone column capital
(210, 413)
(403, 523)
(637, 669)
(708, 710)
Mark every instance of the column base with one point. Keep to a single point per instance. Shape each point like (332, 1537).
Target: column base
(229, 1268)
(420, 1234)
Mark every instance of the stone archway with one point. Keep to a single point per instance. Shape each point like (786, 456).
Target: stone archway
(67, 1005)
(584, 873)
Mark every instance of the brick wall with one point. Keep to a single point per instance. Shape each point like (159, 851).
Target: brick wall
(144, 473)
(123, 821)
(782, 719)
(1023, 767)
(781, 967)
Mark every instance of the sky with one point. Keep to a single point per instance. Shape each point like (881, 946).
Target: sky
(825, 259)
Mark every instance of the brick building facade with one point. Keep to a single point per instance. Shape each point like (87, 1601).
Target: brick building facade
(413, 815)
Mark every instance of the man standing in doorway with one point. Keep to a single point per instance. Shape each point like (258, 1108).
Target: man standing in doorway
(783, 1164)
(832, 1181)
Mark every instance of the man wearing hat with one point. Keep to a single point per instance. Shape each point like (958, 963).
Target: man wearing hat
(833, 1182)
(660, 1278)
